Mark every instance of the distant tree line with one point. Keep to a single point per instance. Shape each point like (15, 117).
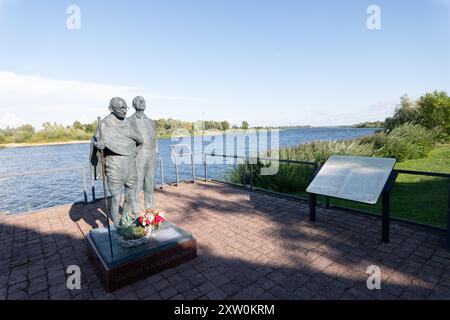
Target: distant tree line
(369, 124)
(53, 132)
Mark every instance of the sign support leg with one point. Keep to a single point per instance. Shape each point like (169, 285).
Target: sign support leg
(312, 206)
(385, 233)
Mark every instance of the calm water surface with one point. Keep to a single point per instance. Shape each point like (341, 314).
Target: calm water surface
(20, 191)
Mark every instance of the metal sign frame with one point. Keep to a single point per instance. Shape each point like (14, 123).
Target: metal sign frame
(385, 193)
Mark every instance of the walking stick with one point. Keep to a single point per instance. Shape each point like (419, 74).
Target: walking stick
(104, 185)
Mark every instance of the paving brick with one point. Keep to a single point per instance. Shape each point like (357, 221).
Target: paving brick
(216, 294)
(161, 284)
(168, 293)
(251, 246)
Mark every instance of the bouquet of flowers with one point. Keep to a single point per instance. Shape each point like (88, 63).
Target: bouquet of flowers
(153, 218)
(134, 232)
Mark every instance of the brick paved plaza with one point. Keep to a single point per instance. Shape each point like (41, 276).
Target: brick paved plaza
(250, 246)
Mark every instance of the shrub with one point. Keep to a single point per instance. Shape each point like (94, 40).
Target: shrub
(405, 112)
(377, 140)
(22, 136)
(433, 112)
(296, 177)
(289, 178)
(320, 151)
(408, 141)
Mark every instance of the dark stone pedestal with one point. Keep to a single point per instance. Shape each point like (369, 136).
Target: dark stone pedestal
(168, 247)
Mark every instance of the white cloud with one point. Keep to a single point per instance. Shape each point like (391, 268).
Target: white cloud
(37, 99)
(11, 120)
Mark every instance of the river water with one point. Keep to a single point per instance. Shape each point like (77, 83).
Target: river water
(30, 180)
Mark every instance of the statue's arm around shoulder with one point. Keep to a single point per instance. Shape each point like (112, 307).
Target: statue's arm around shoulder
(135, 132)
(155, 130)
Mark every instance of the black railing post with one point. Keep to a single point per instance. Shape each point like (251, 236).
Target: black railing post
(251, 175)
(176, 171)
(161, 172)
(448, 217)
(313, 196)
(245, 173)
(193, 167)
(386, 207)
(206, 168)
(93, 190)
(83, 173)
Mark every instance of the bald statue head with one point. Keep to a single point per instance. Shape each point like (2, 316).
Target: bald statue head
(118, 107)
(139, 103)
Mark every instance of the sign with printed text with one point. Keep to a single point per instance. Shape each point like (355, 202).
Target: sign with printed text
(360, 179)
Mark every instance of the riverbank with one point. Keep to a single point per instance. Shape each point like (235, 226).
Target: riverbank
(165, 136)
(33, 192)
(38, 144)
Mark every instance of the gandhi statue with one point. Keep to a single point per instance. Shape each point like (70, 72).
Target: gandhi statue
(121, 142)
(146, 158)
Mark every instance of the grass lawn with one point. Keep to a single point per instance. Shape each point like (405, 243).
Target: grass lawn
(416, 198)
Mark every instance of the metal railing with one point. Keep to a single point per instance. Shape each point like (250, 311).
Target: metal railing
(83, 172)
(176, 155)
(81, 169)
(316, 166)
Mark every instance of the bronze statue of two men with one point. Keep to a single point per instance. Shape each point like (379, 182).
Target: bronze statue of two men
(130, 148)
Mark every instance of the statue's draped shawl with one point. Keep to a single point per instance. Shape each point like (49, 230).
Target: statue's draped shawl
(120, 138)
(147, 127)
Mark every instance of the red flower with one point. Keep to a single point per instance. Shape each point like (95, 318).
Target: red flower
(147, 222)
(158, 219)
(141, 219)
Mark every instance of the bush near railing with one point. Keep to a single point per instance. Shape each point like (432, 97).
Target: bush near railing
(296, 177)
(416, 197)
(408, 141)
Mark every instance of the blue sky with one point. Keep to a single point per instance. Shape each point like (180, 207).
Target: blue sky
(268, 62)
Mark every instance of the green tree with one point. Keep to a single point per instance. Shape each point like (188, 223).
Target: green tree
(77, 125)
(405, 112)
(90, 127)
(244, 125)
(225, 125)
(433, 112)
(408, 141)
(28, 128)
(2, 137)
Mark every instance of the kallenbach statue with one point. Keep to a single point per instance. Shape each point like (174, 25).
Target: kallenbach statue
(147, 156)
(120, 142)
